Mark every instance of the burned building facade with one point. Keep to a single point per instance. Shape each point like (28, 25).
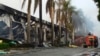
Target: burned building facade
(13, 25)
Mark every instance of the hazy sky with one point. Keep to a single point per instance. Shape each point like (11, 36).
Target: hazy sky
(90, 11)
(87, 6)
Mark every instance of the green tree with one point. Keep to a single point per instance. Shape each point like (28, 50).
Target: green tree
(98, 5)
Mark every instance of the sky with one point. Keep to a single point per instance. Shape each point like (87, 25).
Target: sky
(87, 6)
(90, 12)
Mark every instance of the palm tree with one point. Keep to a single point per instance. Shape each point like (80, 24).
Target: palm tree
(29, 17)
(40, 14)
(65, 14)
(63, 17)
(67, 11)
(50, 7)
(28, 20)
(71, 26)
(59, 17)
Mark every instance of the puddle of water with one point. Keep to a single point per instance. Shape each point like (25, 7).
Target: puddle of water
(89, 54)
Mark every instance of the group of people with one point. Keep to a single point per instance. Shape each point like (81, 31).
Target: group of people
(91, 41)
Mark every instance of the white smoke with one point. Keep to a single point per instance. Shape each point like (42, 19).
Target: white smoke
(96, 29)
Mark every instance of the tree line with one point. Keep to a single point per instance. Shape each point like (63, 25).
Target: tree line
(98, 5)
(63, 14)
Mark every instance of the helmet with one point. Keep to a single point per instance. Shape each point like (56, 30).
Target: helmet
(89, 34)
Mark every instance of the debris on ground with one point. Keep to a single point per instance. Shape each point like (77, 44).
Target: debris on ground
(73, 46)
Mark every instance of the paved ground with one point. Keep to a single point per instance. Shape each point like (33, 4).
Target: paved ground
(51, 52)
(95, 52)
